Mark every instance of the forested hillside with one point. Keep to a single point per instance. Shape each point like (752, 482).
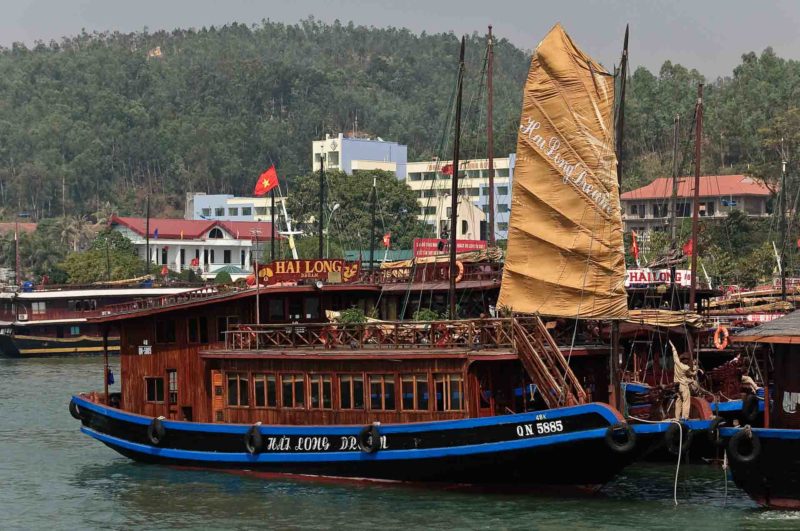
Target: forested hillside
(93, 119)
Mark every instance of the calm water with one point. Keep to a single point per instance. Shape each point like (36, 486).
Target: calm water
(53, 477)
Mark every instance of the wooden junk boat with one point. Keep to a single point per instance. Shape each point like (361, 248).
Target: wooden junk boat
(486, 401)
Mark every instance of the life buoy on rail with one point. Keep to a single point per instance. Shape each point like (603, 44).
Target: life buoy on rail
(156, 431)
(369, 439)
(620, 438)
(253, 442)
(460, 273)
(744, 447)
(678, 438)
(74, 410)
(721, 337)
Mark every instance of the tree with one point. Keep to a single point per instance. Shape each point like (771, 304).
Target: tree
(111, 256)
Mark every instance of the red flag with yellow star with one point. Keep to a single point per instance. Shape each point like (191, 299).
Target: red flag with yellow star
(266, 181)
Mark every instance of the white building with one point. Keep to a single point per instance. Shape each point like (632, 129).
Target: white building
(226, 207)
(431, 185)
(349, 153)
(202, 245)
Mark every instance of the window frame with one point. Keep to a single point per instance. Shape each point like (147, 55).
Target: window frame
(319, 378)
(415, 378)
(172, 377)
(173, 336)
(382, 379)
(447, 394)
(294, 383)
(351, 377)
(155, 380)
(239, 376)
(265, 377)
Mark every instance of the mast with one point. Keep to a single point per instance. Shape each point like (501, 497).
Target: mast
(698, 136)
(272, 218)
(490, 132)
(673, 204)
(454, 188)
(623, 70)
(147, 235)
(16, 252)
(321, 200)
(372, 223)
(782, 258)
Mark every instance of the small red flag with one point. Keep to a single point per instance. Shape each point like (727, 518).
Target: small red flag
(447, 169)
(266, 182)
(634, 245)
(688, 247)
(387, 239)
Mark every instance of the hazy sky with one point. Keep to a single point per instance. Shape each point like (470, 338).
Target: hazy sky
(708, 35)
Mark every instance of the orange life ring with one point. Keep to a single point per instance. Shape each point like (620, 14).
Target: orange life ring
(460, 274)
(721, 337)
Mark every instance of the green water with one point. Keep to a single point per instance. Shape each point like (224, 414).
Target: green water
(53, 477)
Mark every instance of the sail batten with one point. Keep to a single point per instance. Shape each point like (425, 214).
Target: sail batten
(565, 252)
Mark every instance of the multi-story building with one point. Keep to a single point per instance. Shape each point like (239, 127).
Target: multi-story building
(202, 245)
(648, 208)
(226, 207)
(432, 186)
(349, 153)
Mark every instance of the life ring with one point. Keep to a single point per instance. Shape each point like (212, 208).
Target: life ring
(74, 410)
(678, 437)
(714, 436)
(253, 442)
(617, 444)
(460, 274)
(744, 447)
(156, 431)
(750, 409)
(721, 337)
(369, 439)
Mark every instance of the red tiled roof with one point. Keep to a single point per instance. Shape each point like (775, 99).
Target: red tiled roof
(710, 186)
(10, 227)
(193, 229)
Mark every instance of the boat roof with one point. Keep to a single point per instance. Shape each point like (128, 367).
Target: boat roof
(785, 330)
(361, 354)
(100, 292)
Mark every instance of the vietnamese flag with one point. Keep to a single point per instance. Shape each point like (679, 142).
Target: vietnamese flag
(634, 246)
(266, 182)
(688, 248)
(387, 239)
(447, 169)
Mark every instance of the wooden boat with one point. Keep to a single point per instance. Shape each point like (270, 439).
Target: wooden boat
(765, 461)
(481, 401)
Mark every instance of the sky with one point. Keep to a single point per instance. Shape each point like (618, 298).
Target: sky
(709, 35)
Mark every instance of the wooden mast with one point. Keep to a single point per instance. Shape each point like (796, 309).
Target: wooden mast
(454, 187)
(321, 202)
(698, 136)
(490, 133)
(673, 211)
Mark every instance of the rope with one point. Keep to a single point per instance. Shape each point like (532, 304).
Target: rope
(680, 451)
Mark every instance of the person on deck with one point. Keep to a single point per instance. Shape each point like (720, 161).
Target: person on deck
(685, 376)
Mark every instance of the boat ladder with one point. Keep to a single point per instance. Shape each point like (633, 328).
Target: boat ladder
(545, 364)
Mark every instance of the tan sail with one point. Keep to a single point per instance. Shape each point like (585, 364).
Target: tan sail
(565, 252)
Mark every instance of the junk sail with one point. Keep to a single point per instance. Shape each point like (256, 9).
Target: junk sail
(565, 251)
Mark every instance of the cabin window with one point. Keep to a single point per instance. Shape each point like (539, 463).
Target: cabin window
(38, 308)
(321, 391)
(165, 331)
(449, 392)
(293, 391)
(172, 378)
(198, 329)
(381, 391)
(265, 390)
(351, 392)
(276, 309)
(154, 388)
(224, 324)
(237, 389)
(74, 330)
(415, 392)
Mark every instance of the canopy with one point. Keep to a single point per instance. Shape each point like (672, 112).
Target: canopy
(565, 253)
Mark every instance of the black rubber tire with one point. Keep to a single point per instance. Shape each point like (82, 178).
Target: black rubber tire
(612, 438)
(714, 436)
(749, 413)
(156, 432)
(739, 440)
(253, 441)
(74, 410)
(673, 435)
(369, 439)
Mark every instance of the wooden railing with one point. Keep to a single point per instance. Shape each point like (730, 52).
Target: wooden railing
(471, 334)
(436, 272)
(169, 300)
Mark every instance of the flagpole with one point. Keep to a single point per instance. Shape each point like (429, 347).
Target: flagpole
(272, 218)
(147, 236)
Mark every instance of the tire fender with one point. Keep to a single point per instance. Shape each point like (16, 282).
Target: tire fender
(156, 431)
(369, 439)
(673, 435)
(614, 442)
(740, 443)
(253, 441)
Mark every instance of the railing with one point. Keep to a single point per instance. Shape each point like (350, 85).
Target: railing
(25, 314)
(435, 272)
(169, 300)
(473, 334)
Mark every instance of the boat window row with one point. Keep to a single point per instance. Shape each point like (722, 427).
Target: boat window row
(376, 392)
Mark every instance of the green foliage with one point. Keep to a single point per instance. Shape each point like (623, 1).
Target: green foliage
(350, 223)
(426, 314)
(223, 278)
(352, 316)
(115, 261)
